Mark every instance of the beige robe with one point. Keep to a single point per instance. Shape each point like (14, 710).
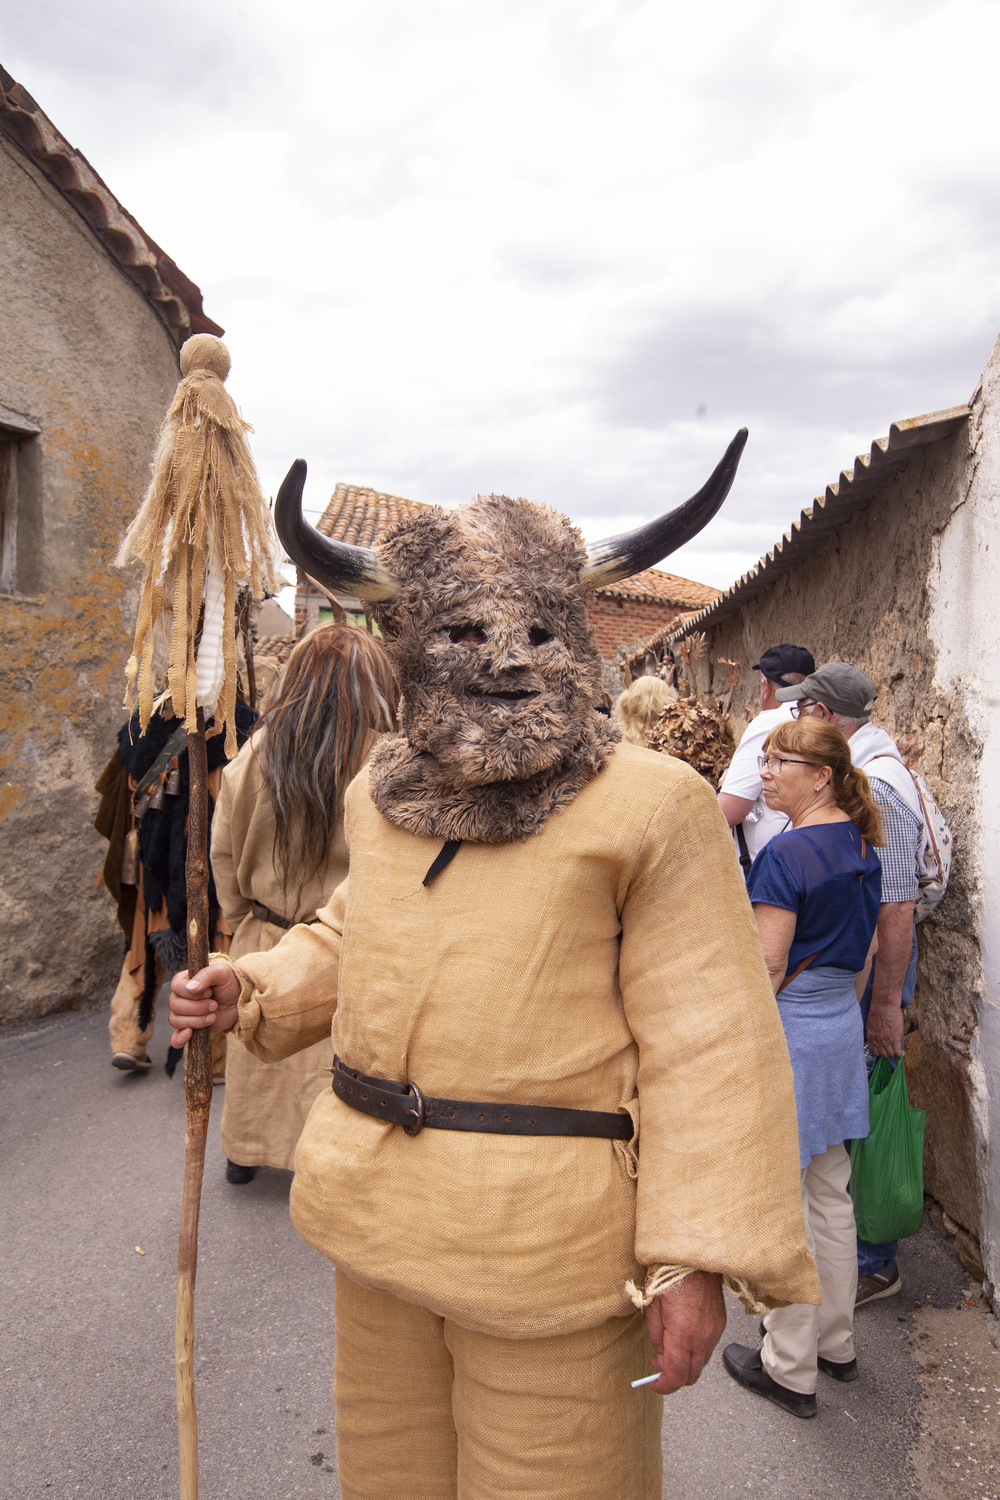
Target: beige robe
(266, 1103)
(611, 962)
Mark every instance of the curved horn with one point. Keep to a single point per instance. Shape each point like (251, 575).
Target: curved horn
(335, 565)
(620, 556)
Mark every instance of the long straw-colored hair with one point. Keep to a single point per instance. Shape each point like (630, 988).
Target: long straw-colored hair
(822, 744)
(639, 707)
(202, 532)
(337, 695)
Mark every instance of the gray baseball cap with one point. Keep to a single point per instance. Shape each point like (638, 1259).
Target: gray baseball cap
(838, 686)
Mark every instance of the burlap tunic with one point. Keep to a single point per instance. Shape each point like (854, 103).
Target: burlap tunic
(611, 962)
(266, 1103)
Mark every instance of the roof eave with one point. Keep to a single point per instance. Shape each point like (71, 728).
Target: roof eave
(174, 297)
(854, 490)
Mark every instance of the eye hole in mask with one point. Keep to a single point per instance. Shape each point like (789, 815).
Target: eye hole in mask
(537, 636)
(467, 635)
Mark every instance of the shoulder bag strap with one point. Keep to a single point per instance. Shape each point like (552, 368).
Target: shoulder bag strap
(745, 859)
(789, 977)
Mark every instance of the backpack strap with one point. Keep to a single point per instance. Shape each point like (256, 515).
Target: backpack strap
(745, 859)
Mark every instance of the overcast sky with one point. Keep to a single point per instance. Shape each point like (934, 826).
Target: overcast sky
(558, 248)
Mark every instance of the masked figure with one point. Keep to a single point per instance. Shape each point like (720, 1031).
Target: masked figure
(560, 1072)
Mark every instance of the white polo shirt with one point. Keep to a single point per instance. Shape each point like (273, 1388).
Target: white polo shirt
(743, 777)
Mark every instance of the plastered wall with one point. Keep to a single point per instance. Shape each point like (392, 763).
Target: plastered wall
(874, 593)
(964, 626)
(86, 358)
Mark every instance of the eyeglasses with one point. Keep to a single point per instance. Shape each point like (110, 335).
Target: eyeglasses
(773, 763)
(803, 706)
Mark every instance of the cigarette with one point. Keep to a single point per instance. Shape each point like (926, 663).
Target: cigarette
(646, 1379)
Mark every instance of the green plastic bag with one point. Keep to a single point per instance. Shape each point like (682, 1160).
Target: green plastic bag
(887, 1168)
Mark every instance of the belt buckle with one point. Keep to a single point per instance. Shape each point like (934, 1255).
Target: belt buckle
(418, 1113)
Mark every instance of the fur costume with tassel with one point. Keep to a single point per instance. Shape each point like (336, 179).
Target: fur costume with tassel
(202, 532)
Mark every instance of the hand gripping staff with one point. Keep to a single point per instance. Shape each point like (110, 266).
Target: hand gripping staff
(203, 534)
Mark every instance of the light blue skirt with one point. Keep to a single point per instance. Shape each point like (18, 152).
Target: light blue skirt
(826, 1043)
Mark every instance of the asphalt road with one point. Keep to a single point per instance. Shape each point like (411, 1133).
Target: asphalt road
(90, 1174)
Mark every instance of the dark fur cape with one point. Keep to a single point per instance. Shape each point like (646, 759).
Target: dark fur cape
(163, 846)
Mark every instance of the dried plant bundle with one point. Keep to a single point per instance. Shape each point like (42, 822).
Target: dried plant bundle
(202, 533)
(695, 730)
(693, 647)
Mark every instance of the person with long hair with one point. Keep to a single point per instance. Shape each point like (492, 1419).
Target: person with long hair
(640, 705)
(815, 891)
(278, 854)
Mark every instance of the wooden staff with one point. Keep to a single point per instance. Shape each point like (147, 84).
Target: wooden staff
(202, 532)
(198, 1094)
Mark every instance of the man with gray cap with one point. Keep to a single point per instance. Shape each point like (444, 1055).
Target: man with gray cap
(741, 799)
(844, 695)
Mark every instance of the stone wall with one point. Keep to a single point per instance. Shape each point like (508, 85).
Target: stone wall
(864, 595)
(88, 361)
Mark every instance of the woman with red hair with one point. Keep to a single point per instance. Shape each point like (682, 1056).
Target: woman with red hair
(815, 891)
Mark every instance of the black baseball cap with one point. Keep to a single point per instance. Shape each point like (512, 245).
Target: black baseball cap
(778, 660)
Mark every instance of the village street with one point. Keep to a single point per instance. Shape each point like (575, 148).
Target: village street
(91, 1176)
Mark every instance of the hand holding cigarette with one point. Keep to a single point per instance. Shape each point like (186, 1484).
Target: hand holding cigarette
(685, 1324)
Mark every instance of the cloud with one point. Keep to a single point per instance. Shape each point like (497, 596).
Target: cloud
(559, 248)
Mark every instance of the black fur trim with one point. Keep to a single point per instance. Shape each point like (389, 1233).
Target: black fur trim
(149, 987)
(171, 950)
(174, 1055)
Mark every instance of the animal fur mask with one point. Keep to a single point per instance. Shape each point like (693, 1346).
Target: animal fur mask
(483, 611)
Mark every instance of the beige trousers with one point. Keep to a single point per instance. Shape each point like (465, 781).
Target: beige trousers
(795, 1335)
(428, 1410)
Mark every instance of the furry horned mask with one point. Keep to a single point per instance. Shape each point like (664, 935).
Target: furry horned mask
(483, 611)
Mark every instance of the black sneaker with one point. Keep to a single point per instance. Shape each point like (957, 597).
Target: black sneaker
(885, 1284)
(237, 1174)
(744, 1365)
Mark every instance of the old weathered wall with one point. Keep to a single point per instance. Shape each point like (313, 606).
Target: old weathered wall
(864, 596)
(965, 628)
(86, 358)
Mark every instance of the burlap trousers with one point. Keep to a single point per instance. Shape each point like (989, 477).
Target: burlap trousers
(795, 1335)
(124, 1022)
(427, 1410)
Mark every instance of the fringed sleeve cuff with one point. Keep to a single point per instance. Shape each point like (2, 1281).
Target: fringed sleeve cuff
(663, 1278)
(750, 1296)
(658, 1279)
(249, 1007)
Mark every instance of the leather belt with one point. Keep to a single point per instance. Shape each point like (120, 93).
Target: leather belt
(265, 914)
(404, 1104)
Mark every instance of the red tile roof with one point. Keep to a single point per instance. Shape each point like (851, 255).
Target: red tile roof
(664, 588)
(361, 515)
(278, 646)
(175, 298)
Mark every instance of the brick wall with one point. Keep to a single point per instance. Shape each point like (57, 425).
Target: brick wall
(625, 624)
